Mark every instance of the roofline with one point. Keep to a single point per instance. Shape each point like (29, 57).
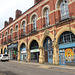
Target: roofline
(22, 14)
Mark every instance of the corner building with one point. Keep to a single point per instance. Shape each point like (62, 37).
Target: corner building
(45, 33)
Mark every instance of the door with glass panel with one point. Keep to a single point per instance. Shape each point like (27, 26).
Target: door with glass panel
(50, 56)
(50, 51)
(62, 58)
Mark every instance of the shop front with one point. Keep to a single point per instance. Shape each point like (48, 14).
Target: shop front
(67, 54)
(23, 52)
(34, 51)
(67, 49)
(13, 51)
(35, 55)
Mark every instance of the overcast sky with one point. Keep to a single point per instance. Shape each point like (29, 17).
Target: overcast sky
(8, 8)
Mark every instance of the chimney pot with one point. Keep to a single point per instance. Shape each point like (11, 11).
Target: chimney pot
(10, 20)
(18, 13)
(6, 24)
(36, 1)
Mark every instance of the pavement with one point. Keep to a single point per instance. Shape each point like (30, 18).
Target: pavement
(46, 66)
(22, 68)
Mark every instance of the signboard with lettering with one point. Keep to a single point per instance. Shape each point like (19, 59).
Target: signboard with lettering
(13, 45)
(35, 50)
(23, 51)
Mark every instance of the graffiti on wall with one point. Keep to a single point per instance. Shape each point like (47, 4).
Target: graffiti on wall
(69, 54)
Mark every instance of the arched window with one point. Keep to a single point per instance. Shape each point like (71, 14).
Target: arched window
(23, 25)
(16, 29)
(64, 9)
(47, 17)
(34, 23)
(11, 31)
(34, 45)
(66, 37)
(23, 46)
(47, 44)
(1, 51)
(6, 36)
(2, 35)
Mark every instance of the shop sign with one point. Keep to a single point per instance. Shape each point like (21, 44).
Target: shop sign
(13, 45)
(23, 51)
(35, 50)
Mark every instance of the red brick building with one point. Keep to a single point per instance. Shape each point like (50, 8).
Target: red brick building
(44, 33)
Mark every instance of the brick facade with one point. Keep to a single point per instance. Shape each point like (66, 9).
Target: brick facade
(56, 27)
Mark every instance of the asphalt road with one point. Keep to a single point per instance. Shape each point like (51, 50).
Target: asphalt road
(13, 68)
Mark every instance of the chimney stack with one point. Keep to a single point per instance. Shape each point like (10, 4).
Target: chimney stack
(36, 1)
(6, 24)
(10, 20)
(18, 13)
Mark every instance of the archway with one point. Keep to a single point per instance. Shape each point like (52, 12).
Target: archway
(23, 52)
(66, 48)
(1, 51)
(5, 51)
(47, 44)
(34, 50)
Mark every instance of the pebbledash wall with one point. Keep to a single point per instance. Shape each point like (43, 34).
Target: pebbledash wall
(44, 33)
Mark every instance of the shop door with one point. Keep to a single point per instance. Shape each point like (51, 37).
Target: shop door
(14, 55)
(50, 56)
(35, 57)
(21, 57)
(24, 56)
(62, 58)
(46, 56)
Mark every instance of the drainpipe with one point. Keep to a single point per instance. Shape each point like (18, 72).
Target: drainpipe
(27, 40)
(54, 11)
(27, 31)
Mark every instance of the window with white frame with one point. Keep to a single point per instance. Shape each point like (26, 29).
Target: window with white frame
(2, 38)
(64, 9)
(67, 37)
(6, 35)
(47, 17)
(0, 35)
(17, 30)
(34, 23)
(23, 25)
(11, 31)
